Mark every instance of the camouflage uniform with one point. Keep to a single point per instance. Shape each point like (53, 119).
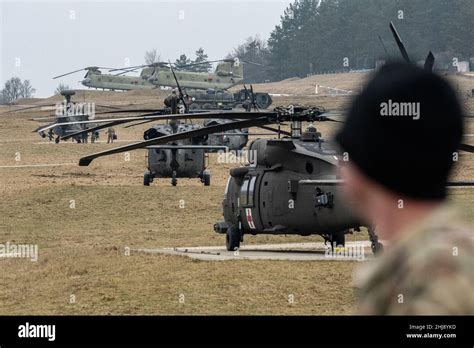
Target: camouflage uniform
(110, 135)
(428, 271)
(171, 101)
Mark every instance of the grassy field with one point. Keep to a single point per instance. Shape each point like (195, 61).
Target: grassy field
(84, 219)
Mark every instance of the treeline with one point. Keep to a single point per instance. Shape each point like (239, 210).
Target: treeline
(15, 89)
(199, 64)
(337, 35)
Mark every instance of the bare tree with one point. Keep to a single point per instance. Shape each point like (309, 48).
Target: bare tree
(11, 91)
(26, 89)
(61, 87)
(152, 56)
(15, 89)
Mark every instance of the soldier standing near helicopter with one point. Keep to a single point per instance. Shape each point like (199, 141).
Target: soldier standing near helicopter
(110, 135)
(172, 101)
(396, 177)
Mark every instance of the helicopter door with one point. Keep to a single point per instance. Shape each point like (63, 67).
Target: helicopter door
(247, 192)
(247, 200)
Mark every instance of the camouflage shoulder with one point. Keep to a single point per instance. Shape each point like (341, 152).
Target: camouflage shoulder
(429, 272)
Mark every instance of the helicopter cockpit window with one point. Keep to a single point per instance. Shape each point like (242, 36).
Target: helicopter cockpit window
(247, 192)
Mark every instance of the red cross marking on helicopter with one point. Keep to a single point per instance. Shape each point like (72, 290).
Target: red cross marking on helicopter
(248, 214)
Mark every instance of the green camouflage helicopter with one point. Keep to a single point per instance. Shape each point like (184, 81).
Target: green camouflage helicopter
(227, 74)
(205, 90)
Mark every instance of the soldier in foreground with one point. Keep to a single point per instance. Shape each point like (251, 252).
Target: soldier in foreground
(402, 136)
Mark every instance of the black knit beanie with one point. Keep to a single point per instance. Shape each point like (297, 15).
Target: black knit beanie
(403, 131)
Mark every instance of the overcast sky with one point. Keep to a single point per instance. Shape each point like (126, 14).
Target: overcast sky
(42, 39)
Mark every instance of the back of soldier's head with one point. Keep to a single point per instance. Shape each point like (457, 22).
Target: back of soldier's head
(403, 131)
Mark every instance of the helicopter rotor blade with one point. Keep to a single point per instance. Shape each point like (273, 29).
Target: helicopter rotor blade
(338, 182)
(126, 71)
(230, 60)
(51, 105)
(85, 161)
(138, 124)
(40, 129)
(107, 107)
(246, 91)
(69, 73)
(254, 101)
(136, 67)
(429, 62)
(197, 64)
(252, 63)
(181, 95)
(311, 115)
(29, 107)
(158, 117)
(399, 42)
(108, 123)
(71, 123)
(130, 111)
(130, 67)
(275, 130)
(462, 183)
(86, 68)
(466, 148)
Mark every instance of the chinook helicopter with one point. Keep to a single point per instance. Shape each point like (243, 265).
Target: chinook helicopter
(227, 74)
(205, 90)
(94, 78)
(292, 186)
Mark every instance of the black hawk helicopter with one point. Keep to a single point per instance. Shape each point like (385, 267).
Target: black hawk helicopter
(293, 186)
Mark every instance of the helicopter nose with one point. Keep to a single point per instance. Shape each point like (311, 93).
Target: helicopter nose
(86, 81)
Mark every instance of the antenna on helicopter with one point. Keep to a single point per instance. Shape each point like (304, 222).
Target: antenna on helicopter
(181, 94)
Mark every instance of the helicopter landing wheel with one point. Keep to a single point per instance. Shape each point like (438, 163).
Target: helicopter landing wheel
(147, 178)
(232, 238)
(376, 246)
(174, 180)
(194, 106)
(56, 140)
(206, 179)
